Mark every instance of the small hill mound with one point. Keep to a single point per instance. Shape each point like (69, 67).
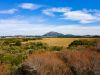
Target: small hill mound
(53, 34)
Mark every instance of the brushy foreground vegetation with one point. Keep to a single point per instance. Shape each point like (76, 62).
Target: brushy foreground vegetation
(13, 51)
(35, 56)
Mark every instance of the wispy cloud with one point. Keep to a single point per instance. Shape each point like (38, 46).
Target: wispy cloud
(29, 6)
(50, 12)
(83, 16)
(8, 11)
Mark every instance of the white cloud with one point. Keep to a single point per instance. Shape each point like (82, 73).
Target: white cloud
(9, 11)
(29, 6)
(83, 16)
(80, 16)
(50, 12)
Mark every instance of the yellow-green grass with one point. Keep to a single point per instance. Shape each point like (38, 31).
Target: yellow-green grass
(58, 41)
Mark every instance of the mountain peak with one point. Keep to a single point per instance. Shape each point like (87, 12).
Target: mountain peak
(53, 34)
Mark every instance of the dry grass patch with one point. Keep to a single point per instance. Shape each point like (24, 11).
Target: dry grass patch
(58, 41)
(4, 69)
(47, 63)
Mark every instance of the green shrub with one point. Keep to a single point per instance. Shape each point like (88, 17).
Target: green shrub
(11, 59)
(56, 48)
(25, 39)
(17, 60)
(1, 58)
(84, 43)
(6, 43)
(18, 43)
(41, 45)
(7, 58)
(37, 46)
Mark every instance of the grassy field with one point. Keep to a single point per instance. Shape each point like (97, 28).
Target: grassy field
(80, 58)
(14, 51)
(58, 41)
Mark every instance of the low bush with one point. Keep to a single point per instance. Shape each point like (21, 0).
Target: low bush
(84, 43)
(18, 43)
(56, 48)
(36, 46)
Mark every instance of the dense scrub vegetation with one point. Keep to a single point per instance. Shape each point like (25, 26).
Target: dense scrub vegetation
(83, 43)
(78, 44)
(13, 51)
(21, 58)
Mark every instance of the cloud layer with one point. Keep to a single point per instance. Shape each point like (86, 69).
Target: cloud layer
(83, 16)
(23, 27)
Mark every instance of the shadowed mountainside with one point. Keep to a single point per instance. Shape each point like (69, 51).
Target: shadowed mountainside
(53, 34)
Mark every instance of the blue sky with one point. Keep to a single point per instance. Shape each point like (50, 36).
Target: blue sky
(37, 17)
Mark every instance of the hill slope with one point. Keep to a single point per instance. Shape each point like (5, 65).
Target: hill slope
(53, 34)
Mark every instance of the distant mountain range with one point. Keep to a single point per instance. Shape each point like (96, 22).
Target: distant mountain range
(51, 34)
(56, 34)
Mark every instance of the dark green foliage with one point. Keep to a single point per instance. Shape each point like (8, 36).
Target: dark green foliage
(8, 41)
(25, 39)
(82, 43)
(28, 39)
(40, 45)
(1, 58)
(37, 45)
(11, 59)
(18, 43)
(17, 60)
(56, 48)
(12, 51)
